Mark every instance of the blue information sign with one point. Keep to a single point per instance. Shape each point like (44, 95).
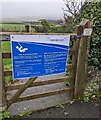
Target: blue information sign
(38, 55)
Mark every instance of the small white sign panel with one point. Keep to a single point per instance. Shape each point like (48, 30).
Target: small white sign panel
(87, 32)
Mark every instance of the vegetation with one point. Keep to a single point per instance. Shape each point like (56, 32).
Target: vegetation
(6, 48)
(7, 62)
(72, 8)
(5, 115)
(11, 27)
(45, 25)
(60, 106)
(91, 11)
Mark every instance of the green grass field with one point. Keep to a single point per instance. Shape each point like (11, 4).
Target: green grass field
(13, 28)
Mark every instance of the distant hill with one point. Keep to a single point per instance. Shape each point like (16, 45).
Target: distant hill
(28, 19)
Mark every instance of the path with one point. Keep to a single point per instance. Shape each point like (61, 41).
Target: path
(76, 110)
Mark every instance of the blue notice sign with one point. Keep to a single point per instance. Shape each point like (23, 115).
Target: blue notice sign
(38, 55)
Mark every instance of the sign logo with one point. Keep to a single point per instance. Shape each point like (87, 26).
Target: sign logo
(21, 48)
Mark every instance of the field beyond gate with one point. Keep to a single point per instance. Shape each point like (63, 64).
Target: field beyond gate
(19, 87)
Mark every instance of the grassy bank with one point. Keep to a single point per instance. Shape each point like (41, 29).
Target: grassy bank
(11, 27)
(6, 48)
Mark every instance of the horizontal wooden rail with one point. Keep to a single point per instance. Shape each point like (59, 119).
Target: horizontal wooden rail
(69, 66)
(8, 54)
(40, 95)
(40, 83)
(31, 33)
(5, 36)
(9, 73)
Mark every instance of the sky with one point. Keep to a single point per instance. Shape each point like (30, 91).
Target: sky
(48, 9)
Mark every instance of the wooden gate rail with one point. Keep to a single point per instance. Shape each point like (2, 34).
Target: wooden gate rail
(26, 33)
(50, 93)
(40, 83)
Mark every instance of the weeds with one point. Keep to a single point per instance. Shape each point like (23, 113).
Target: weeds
(5, 115)
(59, 106)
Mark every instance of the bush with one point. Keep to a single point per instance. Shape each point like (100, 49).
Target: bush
(92, 11)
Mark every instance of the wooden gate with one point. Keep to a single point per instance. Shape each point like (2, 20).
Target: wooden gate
(79, 54)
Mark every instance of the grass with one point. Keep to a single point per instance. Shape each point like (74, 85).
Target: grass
(13, 27)
(7, 62)
(5, 115)
(6, 48)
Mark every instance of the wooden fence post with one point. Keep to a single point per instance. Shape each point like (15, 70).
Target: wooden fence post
(3, 99)
(28, 28)
(81, 74)
(79, 31)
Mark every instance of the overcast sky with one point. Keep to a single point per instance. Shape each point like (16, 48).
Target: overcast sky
(40, 9)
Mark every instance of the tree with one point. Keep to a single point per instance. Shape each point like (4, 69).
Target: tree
(73, 8)
(45, 25)
(92, 11)
(73, 15)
